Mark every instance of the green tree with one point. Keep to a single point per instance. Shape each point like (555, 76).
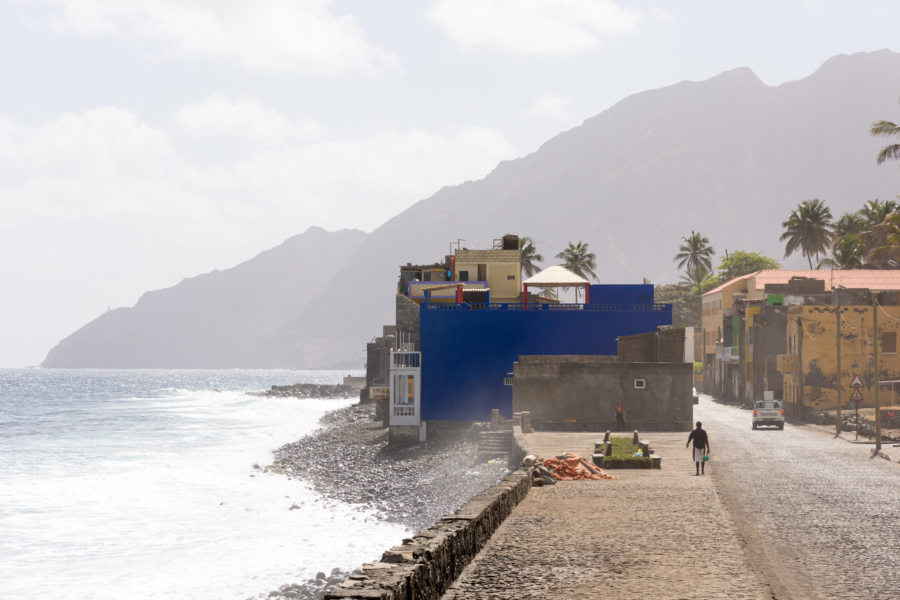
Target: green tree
(580, 261)
(809, 229)
(695, 257)
(876, 234)
(846, 253)
(740, 263)
(886, 129)
(530, 256)
(847, 250)
(874, 212)
(884, 242)
(848, 224)
(685, 301)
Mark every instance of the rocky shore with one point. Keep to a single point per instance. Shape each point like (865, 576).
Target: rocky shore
(311, 390)
(349, 460)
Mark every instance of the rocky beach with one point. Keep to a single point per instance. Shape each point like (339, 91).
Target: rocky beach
(349, 460)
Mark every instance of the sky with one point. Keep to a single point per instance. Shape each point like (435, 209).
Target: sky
(142, 142)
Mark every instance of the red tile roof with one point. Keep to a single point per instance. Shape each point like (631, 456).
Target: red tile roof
(870, 279)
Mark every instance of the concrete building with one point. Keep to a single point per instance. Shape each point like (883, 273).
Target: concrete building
(746, 321)
(650, 377)
(461, 325)
(468, 352)
(812, 378)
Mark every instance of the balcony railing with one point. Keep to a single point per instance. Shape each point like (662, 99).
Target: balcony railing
(548, 307)
(406, 359)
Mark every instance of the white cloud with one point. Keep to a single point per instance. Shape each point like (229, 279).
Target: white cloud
(534, 27)
(106, 164)
(361, 183)
(246, 118)
(301, 36)
(549, 105)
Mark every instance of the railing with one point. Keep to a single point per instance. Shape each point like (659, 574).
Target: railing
(550, 307)
(406, 359)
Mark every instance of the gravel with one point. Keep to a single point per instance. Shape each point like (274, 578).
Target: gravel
(349, 460)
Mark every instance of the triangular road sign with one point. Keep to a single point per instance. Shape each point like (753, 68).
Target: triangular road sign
(857, 382)
(856, 396)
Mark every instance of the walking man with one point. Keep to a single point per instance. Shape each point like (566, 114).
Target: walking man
(701, 447)
(620, 417)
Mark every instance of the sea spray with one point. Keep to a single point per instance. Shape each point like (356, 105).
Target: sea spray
(140, 483)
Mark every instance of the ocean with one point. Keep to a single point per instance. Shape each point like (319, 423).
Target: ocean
(122, 484)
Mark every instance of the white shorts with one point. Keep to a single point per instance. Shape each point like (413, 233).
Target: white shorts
(698, 454)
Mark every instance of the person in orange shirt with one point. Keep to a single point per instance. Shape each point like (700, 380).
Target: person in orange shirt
(620, 417)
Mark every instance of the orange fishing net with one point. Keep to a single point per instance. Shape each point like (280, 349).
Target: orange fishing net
(574, 466)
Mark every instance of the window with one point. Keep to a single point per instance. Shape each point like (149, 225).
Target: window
(463, 275)
(889, 342)
(640, 384)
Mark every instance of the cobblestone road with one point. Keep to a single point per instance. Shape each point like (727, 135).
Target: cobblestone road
(819, 515)
(652, 534)
(791, 514)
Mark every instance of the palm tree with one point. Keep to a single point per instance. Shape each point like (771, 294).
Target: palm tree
(694, 277)
(874, 212)
(875, 235)
(529, 256)
(848, 224)
(846, 253)
(884, 242)
(886, 129)
(577, 259)
(808, 228)
(695, 257)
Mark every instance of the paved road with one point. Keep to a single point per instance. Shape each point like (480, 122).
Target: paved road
(651, 534)
(819, 516)
(793, 514)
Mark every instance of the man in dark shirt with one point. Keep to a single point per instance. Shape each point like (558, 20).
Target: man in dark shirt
(620, 417)
(701, 447)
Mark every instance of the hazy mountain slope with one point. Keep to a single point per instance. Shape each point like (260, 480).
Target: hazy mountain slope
(222, 319)
(728, 157)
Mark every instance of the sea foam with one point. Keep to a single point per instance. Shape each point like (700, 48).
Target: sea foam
(156, 496)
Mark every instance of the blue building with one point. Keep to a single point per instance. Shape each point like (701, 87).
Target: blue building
(468, 349)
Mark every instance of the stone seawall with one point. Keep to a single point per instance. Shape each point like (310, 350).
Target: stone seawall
(425, 565)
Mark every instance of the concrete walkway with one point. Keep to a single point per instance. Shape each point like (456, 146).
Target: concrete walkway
(652, 534)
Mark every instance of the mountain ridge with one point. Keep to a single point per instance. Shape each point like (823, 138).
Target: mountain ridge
(729, 156)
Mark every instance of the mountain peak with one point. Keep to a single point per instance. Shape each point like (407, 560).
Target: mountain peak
(740, 75)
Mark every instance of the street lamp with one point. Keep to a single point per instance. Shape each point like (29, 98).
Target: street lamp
(875, 343)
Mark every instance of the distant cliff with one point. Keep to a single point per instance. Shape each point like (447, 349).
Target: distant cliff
(729, 157)
(245, 316)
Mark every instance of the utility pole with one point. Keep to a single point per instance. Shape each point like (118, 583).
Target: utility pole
(798, 408)
(837, 330)
(877, 374)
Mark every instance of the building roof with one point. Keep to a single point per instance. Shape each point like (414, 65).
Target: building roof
(870, 279)
(721, 287)
(556, 276)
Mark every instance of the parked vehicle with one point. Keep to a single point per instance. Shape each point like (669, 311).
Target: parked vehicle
(768, 412)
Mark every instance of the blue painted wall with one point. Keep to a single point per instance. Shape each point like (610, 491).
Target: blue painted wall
(622, 295)
(467, 353)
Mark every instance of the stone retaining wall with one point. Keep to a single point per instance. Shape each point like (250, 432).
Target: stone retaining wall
(426, 564)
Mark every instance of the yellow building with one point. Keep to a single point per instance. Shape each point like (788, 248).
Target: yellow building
(811, 356)
(500, 269)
